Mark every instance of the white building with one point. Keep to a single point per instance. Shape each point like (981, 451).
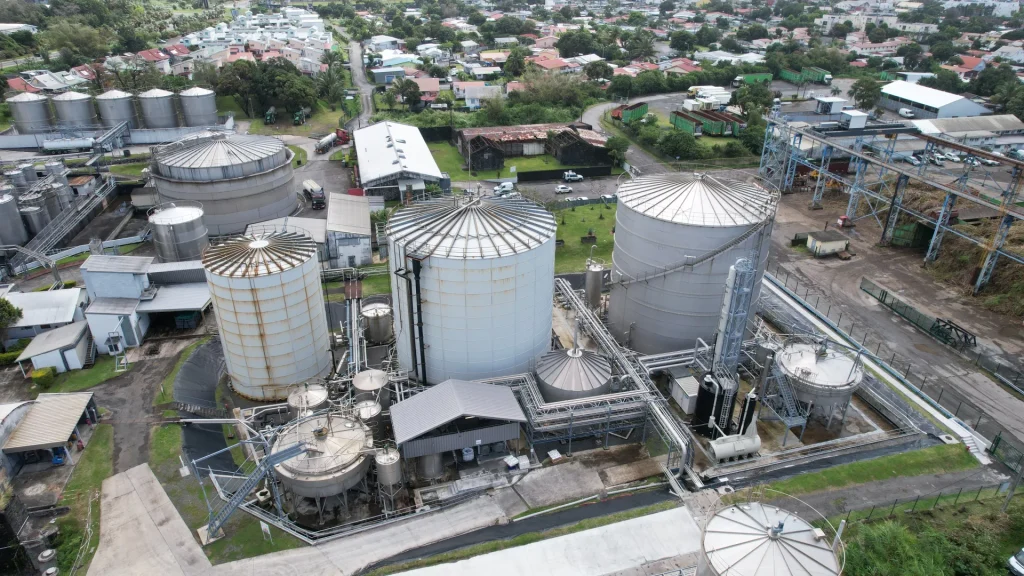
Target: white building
(44, 311)
(475, 95)
(12, 28)
(927, 102)
(393, 156)
(349, 234)
(383, 42)
(66, 348)
(1000, 133)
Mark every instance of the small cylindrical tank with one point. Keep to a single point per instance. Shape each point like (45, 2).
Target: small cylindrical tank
(372, 385)
(369, 412)
(594, 283)
(305, 399)
(178, 231)
(337, 456)
(199, 106)
(31, 113)
(29, 170)
(12, 228)
(822, 376)
(377, 316)
(389, 466)
(158, 108)
(8, 188)
(116, 107)
(35, 218)
(74, 110)
(17, 178)
(56, 169)
(430, 467)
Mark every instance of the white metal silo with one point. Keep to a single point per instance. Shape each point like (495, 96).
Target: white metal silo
(676, 236)
(178, 231)
(12, 228)
(756, 539)
(239, 179)
(199, 106)
(573, 373)
(158, 109)
(824, 375)
(31, 113)
(339, 450)
(270, 311)
(74, 110)
(482, 271)
(35, 217)
(115, 107)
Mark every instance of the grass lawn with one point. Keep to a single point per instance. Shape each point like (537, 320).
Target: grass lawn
(134, 169)
(572, 225)
(227, 104)
(166, 393)
(128, 248)
(164, 444)
(77, 380)
(76, 258)
(337, 155)
(300, 156)
(322, 122)
(933, 460)
(523, 539)
(450, 160)
(81, 495)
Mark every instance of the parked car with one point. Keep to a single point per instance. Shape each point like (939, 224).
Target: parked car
(571, 176)
(972, 161)
(582, 198)
(935, 160)
(910, 160)
(939, 156)
(988, 162)
(1016, 564)
(952, 157)
(563, 189)
(608, 197)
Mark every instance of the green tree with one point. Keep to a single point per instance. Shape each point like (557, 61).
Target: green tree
(515, 65)
(297, 92)
(576, 43)
(641, 45)
(621, 85)
(942, 51)
(667, 7)
(865, 92)
(988, 81)
(410, 92)
(682, 41)
(75, 41)
(679, 145)
(755, 97)
(945, 80)
(390, 98)
(9, 314)
(599, 69)
(617, 146)
(636, 19)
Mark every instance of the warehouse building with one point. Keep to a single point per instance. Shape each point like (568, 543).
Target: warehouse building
(927, 102)
(44, 311)
(394, 157)
(532, 140)
(1000, 133)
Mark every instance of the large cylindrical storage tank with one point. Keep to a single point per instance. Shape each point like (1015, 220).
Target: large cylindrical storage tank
(31, 113)
(199, 106)
(822, 376)
(676, 236)
(115, 107)
(338, 456)
(35, 217)
(178, 231)
(158, 109)
(483, 273)
(17, 179)
(12, 229)
(238, 179)
(755, 539)
(573, 373)
(270, 310)
(74, 110)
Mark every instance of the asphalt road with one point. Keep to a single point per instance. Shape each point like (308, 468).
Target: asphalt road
(355, 52)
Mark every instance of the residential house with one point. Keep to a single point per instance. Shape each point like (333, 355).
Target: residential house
(971, 67)
(484, 72)
(459, 88)
(880, 48)
(384, 42)
(1013, 52)
(680, 66)
(556, 65)
(475, 95)
(506, 41)
(387, 75)
(154, 56)
(469, 47)
(429, 88)
(546, 42)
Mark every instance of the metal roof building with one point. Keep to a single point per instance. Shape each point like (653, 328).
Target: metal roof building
(50, 422)
(56, 307)
(927, 102)
(453, 415)
(389, 152)
(348, 230)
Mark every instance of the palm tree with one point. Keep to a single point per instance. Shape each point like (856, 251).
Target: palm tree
(330, 85)
(390, 98)
(331, 58)
(1006, 92)
(836, 91)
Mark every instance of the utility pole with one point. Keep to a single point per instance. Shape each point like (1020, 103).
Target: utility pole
(1013, 485)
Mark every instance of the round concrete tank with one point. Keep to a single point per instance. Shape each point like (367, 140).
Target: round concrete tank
(12, 229)
(389, 466)
(199, 106)
(270, 312)
(238, 179)
(337, 458)
(482, 273)
(573, 373)
(377, 316)
(35, 217)
(31, 113)
(430, 467)
(74, 110)
(178, 231)
(821, 375)
(158, 109)
(372, 385)
(115, 107)
(307, 398)
(676, 236)
(594, 283)
(755, 539)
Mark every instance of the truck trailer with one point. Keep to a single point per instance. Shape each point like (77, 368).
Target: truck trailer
(759, 78)
(816, 75)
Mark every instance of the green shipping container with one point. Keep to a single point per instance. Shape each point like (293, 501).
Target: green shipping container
(712, 126)
(686, 123)
(634, 112)
(818, 75)
(791, 76)
(886, 76)
(759, 78)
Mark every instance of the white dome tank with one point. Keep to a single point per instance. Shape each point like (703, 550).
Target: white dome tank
(340, 452)
(486, 279)
(755, 539)
(819, 373)
(270, 312)
(664, 222)
(573, 373)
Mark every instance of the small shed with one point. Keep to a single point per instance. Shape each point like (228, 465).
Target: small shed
(485, 154)
(826, 243)
(684, 392)
(65, 348)
(48, 426)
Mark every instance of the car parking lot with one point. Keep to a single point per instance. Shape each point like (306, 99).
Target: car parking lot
(545, 191)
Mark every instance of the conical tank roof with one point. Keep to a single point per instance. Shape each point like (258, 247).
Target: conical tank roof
(113, 95)
(156, 93)
(209, 149)
(697, 199)
(196, 91)
(71, 97)
(248, 256)
(27, 97)
(471, 228)
(573, 373)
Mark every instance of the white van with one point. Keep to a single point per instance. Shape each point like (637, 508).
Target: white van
(504, 188)
(906, 112)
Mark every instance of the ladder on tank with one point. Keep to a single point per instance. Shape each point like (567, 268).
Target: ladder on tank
(791, 414)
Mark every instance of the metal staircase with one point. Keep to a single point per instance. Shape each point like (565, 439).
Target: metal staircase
(791, 413)
(90, 350)
(263, 469)
(203, 411)
(64, 223)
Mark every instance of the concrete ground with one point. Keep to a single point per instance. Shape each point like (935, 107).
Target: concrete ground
(608, 549)
(561, 483)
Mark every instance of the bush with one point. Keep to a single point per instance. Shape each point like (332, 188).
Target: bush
(734, 149)
(8, 358)
(44, 377)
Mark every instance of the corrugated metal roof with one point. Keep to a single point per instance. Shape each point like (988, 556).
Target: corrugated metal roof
(349, 214)
(387, 150)
(209, 149)
(54, 339)
(248, 256)
(133, 264)
(49, 422)
(920, 94)
(178, 298)
(112, 306)
(41, 308)
(315, 228)
(997, 124)
(697, 199)
(478, 228)
(7, 409)
(450, 400)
